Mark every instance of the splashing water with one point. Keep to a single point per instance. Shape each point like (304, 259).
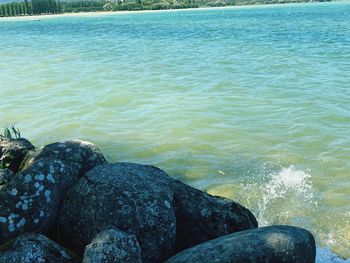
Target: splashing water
(280, 197)
(286, 192)
(283, 196)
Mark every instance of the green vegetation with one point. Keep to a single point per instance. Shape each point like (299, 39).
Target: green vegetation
(83, 6)
(10, 132)
(41, 7)
(34, 7)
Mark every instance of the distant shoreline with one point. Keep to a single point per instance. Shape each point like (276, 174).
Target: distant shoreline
(99, 13)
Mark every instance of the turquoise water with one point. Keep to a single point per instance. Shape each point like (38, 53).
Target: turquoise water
(248, 103)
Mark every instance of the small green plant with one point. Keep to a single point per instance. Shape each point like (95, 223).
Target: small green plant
(10, 132)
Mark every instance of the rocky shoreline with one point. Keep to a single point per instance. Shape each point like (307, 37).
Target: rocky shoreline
(64, 203)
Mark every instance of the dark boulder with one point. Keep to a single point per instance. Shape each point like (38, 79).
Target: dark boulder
(113, 246)
(81, 156)
(34, 248)
(31, 200)
(201, 217)
(134, 198)
(267, 244)
(12, 153)
(142, 200)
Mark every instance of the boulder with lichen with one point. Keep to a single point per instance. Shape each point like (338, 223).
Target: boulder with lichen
(34, 248)
(124, 212)
(81, 156)
(128, 196)
(112, 245)
(164, 214)
(30, 201)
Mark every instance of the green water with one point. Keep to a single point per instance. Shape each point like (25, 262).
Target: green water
(248, 103)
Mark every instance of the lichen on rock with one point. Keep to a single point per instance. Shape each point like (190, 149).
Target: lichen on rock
(124, 195)
(81, 156)
(164, 214)
(29, 202)
(34, 248)
(112, 245)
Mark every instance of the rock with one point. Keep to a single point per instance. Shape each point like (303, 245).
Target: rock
(5, 176)
(80, 155)
(266, 244)
(31, 200)
(12, 153)
(134, 198)
(34, 248)
(201, 217)
(113, 246)
(142, 200)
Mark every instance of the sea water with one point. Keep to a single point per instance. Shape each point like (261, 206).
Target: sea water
(248, 103)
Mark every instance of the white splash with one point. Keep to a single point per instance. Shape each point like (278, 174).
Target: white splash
(286, 197)
(289, 189)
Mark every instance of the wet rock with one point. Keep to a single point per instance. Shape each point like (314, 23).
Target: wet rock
(124, 195)
(12, 153)
(31, 200)
(112, 246)
(34, 248)
(266, 244)
(5, 176)
(201, 217)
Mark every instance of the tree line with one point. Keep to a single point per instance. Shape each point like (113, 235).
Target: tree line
(34, 7)
(40, 7)
(83, 6)
(43, 7)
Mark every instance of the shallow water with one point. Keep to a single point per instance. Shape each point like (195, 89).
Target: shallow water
(248, 103)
